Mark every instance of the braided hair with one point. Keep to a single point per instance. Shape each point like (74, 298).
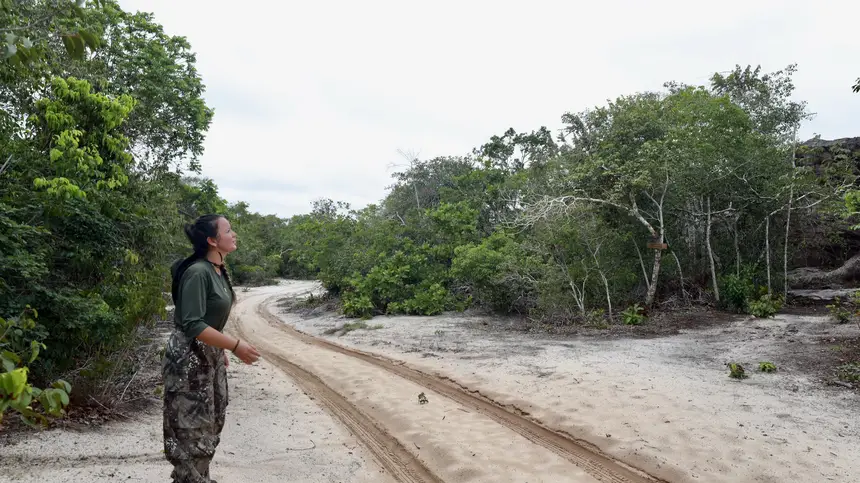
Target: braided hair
(198, 234)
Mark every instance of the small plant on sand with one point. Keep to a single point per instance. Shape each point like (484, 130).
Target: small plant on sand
(767, 367)
(765, 307)
(596, 319)
(841, 311)
(736, 371)
(633, 315)
(849, 372)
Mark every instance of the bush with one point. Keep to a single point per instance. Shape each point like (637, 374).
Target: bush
(766, 306)
(16, 393)
(633, 315)
(841, 311)
(252, 276)
(487, 272)
(357, 305)
(428, 300)
(849, 372)
(766, 367)
(737, 291)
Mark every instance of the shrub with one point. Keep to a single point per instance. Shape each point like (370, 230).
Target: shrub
(737, 291)
(633, 315)
(849, 372)
(16, 393)
(736, 371)
(357, 305)
(766, 306)
(766, 367)
(486, 271)
(841, 311)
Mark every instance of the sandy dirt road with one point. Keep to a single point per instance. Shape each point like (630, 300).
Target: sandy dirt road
(664, 404)
(456, 436)
(274, 433)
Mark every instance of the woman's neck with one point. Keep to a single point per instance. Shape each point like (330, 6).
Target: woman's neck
(215, 257)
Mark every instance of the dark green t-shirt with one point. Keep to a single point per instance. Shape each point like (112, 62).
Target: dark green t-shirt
(205, 300)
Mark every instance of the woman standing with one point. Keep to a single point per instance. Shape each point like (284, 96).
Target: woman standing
(195, 362)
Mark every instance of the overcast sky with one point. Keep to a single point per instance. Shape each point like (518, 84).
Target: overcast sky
(313, 99)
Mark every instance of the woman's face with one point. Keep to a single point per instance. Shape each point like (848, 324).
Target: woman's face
(226, 242)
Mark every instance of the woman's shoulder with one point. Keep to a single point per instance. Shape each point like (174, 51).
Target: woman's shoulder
(197, 268)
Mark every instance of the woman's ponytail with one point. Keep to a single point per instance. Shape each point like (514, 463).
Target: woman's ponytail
(198, 234)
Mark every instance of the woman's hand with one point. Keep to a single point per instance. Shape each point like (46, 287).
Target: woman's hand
(247, 353)
(226, 358)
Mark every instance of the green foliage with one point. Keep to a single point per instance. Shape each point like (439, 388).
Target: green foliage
(842, 311)
(633, 315)
(26, 38)
(849, 372)
(736, 371)
(19, 348)
(738, 291)
(86, 228)
(766, 367)
(488, 272)
(765, 306)
(357, 305)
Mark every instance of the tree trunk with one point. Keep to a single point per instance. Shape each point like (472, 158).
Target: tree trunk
(655, 273)
(788, 217)
(737, 248)
(711, 252)
(785, 248)
(767, 251)
(642, 264)
(681, 278)
(603, 277)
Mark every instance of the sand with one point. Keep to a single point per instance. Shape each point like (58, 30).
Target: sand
(274, 433)
(663, 404)
(453, 443)
(309, 413)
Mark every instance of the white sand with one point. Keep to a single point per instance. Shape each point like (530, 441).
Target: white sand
(663, 404)
(274, 433)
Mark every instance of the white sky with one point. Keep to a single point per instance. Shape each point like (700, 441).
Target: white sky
(313, 99)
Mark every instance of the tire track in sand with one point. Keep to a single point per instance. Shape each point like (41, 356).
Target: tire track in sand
(597, 464)
(402, 465)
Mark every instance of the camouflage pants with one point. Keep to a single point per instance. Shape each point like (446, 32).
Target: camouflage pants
(195, 403)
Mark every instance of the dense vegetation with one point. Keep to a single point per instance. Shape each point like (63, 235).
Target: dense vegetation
(558, 228)
(103, 120)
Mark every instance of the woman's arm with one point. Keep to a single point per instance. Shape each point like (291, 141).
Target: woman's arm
(212, 337)
(243, 350)
(191, 310)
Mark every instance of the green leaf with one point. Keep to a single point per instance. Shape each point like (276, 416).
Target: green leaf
(63, 385)
(74, 46)
(11, 50)
(13, 382)
(91, 40)
(34, 348)
(11, 357)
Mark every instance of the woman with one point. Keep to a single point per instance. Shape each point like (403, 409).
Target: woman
(195, 362)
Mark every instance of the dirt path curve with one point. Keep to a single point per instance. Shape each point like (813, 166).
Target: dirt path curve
(459, 435)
